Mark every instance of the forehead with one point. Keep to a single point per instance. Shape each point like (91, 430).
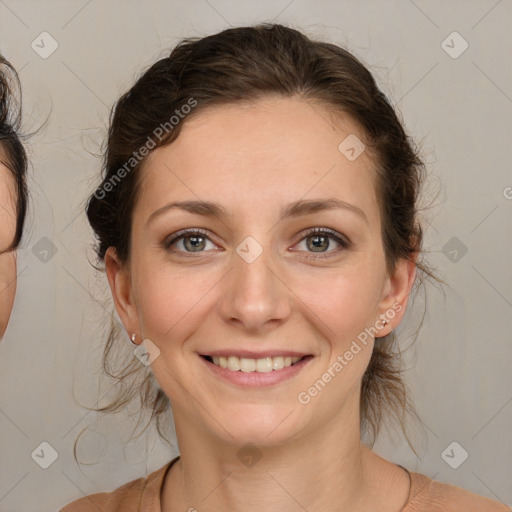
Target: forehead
(278, 149)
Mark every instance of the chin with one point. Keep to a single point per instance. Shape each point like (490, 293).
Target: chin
(259, 425)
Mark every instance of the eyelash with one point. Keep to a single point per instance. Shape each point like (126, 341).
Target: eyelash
(342, 241)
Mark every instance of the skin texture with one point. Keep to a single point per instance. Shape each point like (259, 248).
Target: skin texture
(7, 259)
(254, 159)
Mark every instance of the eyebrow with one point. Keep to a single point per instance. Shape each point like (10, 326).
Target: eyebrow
(295, 209)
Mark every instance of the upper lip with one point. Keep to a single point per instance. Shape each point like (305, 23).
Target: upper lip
(249, 354)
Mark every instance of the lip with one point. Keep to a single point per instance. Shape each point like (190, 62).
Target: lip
(257, 379)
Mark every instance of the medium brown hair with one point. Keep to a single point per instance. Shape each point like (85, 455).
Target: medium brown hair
(12, 152)
(245, 64)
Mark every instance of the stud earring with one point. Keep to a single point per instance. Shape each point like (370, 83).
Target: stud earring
(133, 338)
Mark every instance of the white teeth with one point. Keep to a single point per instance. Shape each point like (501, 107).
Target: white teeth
(247, 365)
(233, 363)
(264, 365)
(277, 363)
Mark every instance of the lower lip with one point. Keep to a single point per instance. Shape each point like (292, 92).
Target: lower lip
(257, 379)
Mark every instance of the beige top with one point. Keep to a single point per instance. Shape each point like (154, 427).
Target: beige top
(426, 495)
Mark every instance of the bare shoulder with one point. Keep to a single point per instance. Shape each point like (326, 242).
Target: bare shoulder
(427, 494)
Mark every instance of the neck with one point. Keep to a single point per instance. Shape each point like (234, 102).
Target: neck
(328, 466)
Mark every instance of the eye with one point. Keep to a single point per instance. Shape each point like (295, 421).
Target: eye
(188, 241)
(319, 240)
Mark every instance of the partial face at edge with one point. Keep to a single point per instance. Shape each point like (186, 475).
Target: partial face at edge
(306, 293)
(7, 259)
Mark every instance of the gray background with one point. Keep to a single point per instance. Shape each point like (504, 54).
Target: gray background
(459, 108)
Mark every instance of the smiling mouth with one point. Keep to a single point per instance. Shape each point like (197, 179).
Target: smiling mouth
(264, 365)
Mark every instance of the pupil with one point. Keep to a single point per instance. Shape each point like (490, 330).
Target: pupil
(319, 242)
(196, 241)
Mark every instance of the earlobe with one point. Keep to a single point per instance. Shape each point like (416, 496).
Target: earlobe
(399, 286)
(121, 287)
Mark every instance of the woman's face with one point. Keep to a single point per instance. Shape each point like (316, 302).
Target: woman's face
(7, 259)
(255, 282)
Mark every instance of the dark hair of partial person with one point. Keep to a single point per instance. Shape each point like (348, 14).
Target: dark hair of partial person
(247, 64)
(12, 151)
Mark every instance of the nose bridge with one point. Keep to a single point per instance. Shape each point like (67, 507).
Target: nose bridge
(254, 292)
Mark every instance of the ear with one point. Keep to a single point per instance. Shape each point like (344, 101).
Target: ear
(396, 293)
(120, 283)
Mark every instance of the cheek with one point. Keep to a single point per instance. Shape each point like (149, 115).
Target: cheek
(8, 211)
(348, 309)
(345, 300)
(7, 288)
(346, 304)
(169, 300)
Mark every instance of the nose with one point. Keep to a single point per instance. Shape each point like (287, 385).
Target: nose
(255, 296)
